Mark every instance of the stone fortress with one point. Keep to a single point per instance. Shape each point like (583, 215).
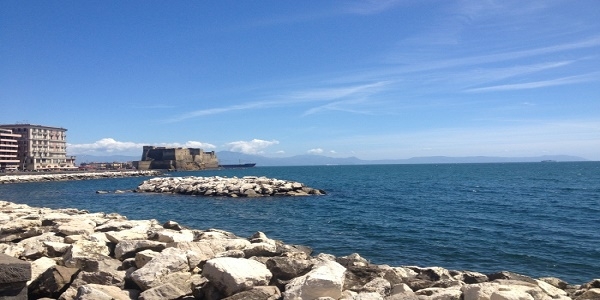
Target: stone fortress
(181, 159)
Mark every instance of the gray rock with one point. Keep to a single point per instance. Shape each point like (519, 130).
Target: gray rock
(257, 293)
(51, 283)
(129, 248)
(286, 268)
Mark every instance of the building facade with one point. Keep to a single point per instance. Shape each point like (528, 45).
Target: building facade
(9, 149)
(41, 148)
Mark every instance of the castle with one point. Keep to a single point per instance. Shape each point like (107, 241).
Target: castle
(181, 159)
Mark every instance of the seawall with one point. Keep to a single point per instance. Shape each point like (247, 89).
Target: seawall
(20, 178)
(75, 254)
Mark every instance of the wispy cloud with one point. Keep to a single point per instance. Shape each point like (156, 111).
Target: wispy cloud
(428, 65)
(293, 98)
(538, 84)
(370, 7)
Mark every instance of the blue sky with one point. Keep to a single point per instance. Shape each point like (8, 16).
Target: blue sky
(371, 79)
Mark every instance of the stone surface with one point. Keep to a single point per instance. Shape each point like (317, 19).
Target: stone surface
(52, 282)
(248, 186)
(168, 261)
(111, 257)
(324, 280)
(233, 275)
(73, 176)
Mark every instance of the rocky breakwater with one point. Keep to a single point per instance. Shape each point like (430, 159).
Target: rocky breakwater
(247, 186)
(79, 255)
(18, 178)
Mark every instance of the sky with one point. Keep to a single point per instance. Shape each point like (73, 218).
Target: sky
(370, 79)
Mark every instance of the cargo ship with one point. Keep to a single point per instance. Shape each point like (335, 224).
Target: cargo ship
(238, 166)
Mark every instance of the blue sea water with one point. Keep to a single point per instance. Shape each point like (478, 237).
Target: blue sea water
(537, 219)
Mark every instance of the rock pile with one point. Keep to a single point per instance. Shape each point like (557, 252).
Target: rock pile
(79, 255)
(74, 176)
(247, 186)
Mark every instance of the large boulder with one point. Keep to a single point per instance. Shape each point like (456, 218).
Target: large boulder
(169, 261)
(84, 250)
(102, 292)
(286, 268)
(174, 286)
(257, 293)
(51, 283)
(324, 280)
(33, 247)
(232, 275)
(128, 248)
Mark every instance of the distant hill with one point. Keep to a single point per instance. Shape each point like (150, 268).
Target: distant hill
(229, 157)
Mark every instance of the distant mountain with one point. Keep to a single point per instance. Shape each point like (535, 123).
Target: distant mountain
(229, 157)
(477, 159)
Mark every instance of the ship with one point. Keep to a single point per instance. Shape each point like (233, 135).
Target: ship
(237, 166)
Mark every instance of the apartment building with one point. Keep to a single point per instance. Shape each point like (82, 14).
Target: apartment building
(41, 147)
(9, 148)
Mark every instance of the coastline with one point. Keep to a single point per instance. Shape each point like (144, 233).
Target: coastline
(64, 176)
(142, 259)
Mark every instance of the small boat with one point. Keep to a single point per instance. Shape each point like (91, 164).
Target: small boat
(238, 166)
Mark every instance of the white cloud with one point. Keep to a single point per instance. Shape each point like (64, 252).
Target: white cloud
(189, 144)
(112, 146)
(254, 146)
(315, 151)
(108, 145)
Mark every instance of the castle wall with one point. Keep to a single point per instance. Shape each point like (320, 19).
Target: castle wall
(177, 159)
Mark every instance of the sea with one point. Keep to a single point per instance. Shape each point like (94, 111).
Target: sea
(537, 219)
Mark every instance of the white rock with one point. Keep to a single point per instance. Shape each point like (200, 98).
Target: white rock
(77, 226)
(169, 261)
(551, 290)
(479, 291)
(324, 280)
(40, 266)
(83, 250)
(511, 295)
(171, 236)
(232, 275)
(102, 292)
(144, 256)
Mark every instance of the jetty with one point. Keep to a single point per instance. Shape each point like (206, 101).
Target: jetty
(247, 186)
(42, 177)
(74, 254)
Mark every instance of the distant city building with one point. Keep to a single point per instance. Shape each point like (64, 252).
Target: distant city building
(92, 166)
(9, 148)
(163, 158)
(41, 147)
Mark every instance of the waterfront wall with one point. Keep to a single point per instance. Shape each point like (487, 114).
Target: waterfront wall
(75, 254)
(41, 177)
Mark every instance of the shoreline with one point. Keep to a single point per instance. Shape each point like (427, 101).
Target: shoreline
(7, 178)
(142, 259)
